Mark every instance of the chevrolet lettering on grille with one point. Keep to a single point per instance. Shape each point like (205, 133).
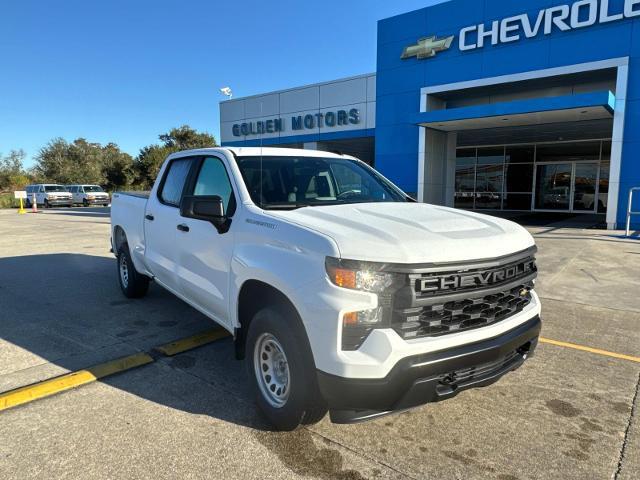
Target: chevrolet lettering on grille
(439, 283)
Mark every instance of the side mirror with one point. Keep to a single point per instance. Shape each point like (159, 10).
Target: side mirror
(209, 208)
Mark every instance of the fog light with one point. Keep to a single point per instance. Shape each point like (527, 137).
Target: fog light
(363, 318)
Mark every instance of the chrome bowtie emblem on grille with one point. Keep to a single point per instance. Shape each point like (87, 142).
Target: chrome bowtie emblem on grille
(427, 47)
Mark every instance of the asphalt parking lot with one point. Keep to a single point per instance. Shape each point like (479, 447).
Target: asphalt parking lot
(566, 414)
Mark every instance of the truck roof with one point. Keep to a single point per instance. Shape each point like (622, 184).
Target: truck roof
(264, 151)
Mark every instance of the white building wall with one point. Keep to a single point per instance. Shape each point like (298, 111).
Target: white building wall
(330, 97)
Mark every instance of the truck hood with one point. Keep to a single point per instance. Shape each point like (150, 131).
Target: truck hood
(411, 232)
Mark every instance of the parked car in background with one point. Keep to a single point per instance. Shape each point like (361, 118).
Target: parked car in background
(49, 195)
(88, 195)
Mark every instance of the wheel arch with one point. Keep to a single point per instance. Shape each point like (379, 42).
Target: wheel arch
(252, 297)
(119, 238)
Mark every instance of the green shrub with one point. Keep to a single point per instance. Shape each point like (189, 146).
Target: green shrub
(7, 200)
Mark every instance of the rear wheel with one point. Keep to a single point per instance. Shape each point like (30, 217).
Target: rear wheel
(281, 370)
(132, 283)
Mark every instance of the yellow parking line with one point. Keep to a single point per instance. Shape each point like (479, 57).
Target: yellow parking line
(597, 351)
(27, 394)
(192, 342)
(46, 388)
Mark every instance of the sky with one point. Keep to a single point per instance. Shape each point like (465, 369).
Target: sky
(126, 71)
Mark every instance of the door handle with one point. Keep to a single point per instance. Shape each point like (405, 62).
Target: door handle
(149, 217)
(183, 228)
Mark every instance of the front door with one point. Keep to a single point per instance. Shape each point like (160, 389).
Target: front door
(204, 254)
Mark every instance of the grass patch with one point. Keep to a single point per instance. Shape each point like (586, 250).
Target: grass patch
(7, 200)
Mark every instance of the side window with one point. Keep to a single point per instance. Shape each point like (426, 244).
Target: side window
(174, 181)
(41, 189)
(213, 180)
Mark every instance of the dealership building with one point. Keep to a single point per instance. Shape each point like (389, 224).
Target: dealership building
(481, 104)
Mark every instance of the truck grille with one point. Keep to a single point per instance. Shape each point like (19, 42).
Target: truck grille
(455, 298)
(465, 314)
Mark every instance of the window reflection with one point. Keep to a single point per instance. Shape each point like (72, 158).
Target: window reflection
(562, 176)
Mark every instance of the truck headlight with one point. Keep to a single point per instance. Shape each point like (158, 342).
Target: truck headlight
(367, 277)
(358, 275)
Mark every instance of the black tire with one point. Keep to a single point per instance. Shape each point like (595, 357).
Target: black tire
(304, 403)
(46, 204)
(132, 283)
(85, 203)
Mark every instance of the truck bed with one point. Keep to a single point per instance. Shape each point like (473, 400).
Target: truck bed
(127, 213)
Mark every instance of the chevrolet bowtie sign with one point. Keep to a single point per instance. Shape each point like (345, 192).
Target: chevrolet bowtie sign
(427, 47)
(558, 18)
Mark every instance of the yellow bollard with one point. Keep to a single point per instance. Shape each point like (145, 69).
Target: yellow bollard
(22, 211)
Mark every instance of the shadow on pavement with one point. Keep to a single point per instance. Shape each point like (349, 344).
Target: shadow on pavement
(67, 310)
(98, 212)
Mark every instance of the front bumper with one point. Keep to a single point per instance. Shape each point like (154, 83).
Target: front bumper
(59, 201)
(99, 201)
(429, 377)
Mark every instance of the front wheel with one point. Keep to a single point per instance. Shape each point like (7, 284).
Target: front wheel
(132, 283)
(281, 370)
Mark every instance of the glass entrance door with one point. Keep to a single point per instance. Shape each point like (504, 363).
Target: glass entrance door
(553, 186)
(585, 183)
(567, 187)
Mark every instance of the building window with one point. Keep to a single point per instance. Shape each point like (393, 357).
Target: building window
(553, 176)
(465, 177)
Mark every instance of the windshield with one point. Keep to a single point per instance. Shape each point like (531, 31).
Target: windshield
(54, 188)
(92, 188)
(294, 182)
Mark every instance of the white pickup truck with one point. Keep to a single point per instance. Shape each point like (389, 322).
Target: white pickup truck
(342, 293)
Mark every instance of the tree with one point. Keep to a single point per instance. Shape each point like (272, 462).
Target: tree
(150, 158)
(12, 173)
(185, 138)
(117, 167)
(84, 162)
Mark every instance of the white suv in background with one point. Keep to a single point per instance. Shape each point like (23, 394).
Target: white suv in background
(89, 195)
(49, 195)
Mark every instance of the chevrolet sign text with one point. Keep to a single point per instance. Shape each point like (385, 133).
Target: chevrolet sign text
(581, 14)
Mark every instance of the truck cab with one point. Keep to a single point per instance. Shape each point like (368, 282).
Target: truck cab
(342, 293)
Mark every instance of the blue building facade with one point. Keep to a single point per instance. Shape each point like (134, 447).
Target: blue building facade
(505, 105)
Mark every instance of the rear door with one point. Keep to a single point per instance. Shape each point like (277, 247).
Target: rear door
(204, 254)
(162, 216)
